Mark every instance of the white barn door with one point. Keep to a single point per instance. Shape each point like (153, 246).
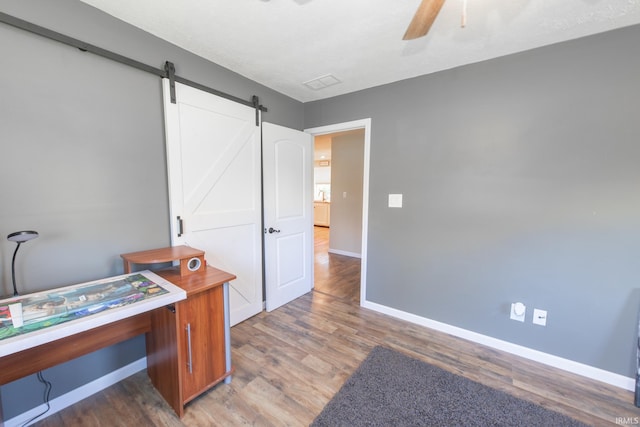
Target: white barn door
(213, 157)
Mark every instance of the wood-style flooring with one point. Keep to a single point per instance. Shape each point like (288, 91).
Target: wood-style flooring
(290, 362)
(335, 275)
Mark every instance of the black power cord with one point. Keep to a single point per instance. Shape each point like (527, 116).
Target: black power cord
(47, 392)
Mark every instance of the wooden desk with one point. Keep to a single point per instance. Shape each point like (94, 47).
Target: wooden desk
(187, 335)
(44, 348)
(32, 352)
(35, 359)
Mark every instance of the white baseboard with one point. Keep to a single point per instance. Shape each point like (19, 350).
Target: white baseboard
(75, 396)
(528, 353)
(346, 253)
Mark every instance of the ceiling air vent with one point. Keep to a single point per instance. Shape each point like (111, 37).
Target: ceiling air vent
(322, 82)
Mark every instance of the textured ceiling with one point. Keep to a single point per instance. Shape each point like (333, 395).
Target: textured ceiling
(284, 43)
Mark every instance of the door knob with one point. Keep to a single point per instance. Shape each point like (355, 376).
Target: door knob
(273, 230)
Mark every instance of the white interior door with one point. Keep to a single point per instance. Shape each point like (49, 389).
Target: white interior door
(287, 157)
(213, 156)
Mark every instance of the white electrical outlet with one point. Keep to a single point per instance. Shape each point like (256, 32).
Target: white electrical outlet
(518, 311)
(539, 317)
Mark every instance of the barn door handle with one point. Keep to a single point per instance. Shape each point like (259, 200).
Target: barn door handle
(273, 230)
(180, 226)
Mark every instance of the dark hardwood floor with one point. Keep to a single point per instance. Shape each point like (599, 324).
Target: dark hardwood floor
(290, 362)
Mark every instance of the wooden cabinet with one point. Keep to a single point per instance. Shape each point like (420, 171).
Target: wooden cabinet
(200, 320)
(189, 346)
(321, 213)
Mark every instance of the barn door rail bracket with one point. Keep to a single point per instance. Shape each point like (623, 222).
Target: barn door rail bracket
(170, 71)
(256, 104)
(87, 47)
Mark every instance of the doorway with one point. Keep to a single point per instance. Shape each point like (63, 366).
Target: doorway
(340, 244)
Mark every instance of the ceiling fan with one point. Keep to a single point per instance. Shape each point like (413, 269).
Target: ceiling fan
(424, 17)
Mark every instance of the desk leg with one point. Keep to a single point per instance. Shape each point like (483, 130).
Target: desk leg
(227, 331)
(1, 412)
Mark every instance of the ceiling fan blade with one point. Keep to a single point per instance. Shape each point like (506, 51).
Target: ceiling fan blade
(422, 20)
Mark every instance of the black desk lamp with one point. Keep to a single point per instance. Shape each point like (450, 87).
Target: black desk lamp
(19, 237)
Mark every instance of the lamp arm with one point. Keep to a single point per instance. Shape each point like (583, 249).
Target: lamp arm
(13, 270)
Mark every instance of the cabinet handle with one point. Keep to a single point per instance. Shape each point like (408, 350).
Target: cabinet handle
(189, 361)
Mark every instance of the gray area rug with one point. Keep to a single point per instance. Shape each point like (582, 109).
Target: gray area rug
(391, 389)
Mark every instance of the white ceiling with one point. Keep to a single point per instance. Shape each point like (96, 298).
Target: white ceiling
(284, 43)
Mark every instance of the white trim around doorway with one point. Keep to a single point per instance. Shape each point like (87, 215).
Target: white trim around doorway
(341, 127)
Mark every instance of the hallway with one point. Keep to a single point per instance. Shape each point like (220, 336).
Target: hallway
(335, 275)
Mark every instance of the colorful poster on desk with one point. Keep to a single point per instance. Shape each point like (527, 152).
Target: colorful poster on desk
(51, 308)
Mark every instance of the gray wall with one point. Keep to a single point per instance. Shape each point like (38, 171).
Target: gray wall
(347, 170)
(520, 178)
(83, 160)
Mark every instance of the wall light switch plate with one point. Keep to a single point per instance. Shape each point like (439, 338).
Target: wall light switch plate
(395, 200)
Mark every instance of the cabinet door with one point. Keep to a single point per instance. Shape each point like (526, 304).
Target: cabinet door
(321, 214)
(318, 216)
(202, 322)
